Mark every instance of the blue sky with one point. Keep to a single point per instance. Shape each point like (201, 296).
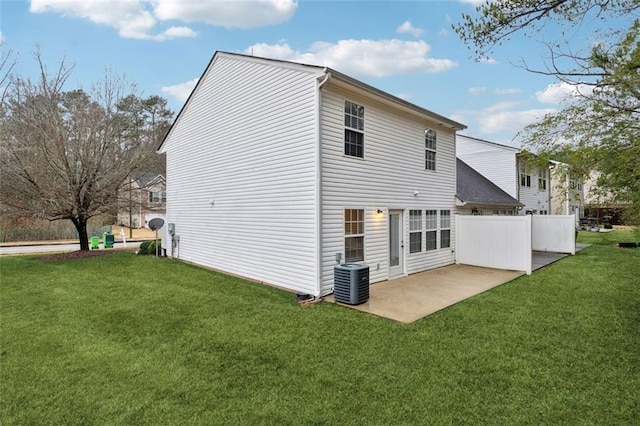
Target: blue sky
(406, 48)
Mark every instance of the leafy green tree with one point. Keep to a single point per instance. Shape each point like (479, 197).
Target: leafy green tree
(598, 128)
(65, 155)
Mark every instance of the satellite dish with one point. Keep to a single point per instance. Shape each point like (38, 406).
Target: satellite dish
(156, 223)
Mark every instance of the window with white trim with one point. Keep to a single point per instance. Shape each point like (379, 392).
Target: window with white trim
(430, 137)
(157, 197)
(431, 226)
(353, 129)
(415, 231)
(525, 179)
(542, 181)
(445, 228)
(353, 235)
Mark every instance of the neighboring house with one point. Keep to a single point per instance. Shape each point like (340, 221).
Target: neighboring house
(509, 169)
(599, 203)
(479, 196)
(277, 171)
(147, 194)
(567, 193)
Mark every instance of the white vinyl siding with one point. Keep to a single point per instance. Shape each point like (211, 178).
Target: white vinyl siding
(495, 162)
(502, 166)
(534, 199)
(389, 175)
(241, 173)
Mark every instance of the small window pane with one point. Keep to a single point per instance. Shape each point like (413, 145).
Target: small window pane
(431, 219)
(430, 160)
(353, 143)
(431, 240)
(445, 238)
(353, 221)
(415, 220)
(430, 139)
(445, 219)
(354, 249)
(415, 242)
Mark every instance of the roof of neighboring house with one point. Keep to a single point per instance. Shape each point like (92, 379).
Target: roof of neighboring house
(474, 189)
(512, 148)
(147, 179)
(325, 74)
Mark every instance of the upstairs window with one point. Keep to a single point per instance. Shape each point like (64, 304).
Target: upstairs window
(525, 179)
(353, 235)
(353, 129)
(415, 231)
(542, 181)
(157, 197)
(430, 137)
(542, 184)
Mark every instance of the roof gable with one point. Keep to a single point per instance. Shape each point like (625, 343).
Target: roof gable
(317, 72)
(474, 188)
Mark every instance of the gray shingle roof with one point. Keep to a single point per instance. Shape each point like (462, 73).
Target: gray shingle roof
(474, 189)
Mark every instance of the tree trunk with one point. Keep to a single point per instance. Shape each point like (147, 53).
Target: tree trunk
(81, 227)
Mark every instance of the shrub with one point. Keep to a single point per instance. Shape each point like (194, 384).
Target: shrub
(149, 247)
(144, 247)
(152, 247)
(608, 226)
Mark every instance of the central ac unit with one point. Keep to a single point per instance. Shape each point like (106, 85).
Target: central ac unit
(351, 283)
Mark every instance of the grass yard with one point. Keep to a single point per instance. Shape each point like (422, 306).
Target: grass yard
(125, 339)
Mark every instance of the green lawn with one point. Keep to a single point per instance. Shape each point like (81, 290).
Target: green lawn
(125, 339)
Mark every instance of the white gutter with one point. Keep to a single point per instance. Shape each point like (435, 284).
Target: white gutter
(318, 198)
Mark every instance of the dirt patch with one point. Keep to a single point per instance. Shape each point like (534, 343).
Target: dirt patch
(78, 254)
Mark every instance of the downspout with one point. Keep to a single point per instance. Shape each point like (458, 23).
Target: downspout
(318, 200)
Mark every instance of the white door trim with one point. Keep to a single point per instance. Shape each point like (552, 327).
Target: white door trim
(395, 248)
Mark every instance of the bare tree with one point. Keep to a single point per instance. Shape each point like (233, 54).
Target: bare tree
(65, 154)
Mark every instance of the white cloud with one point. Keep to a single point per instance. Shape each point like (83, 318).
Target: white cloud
(557, 93)
(407, 28)
(507, 91)
(476, 90)
(174, 32)
(229, 14)
(374, 58)
(139, 19)
(487, 60)
(180, 91)
(504, 117)
(129, 17)
(474, 2)
(443, 32)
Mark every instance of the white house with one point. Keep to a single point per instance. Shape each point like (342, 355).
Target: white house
(277, 171)
(144, 199)
(477, 195)
(509, 169)
(567, 192)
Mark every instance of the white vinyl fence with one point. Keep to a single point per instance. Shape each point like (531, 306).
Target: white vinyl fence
(501, 242)
(554, 233)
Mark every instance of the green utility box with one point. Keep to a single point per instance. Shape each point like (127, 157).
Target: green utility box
(108, 239)
(95, 243)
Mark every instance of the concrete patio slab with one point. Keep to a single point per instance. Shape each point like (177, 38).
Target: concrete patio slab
(410, 298)
(416, 296)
